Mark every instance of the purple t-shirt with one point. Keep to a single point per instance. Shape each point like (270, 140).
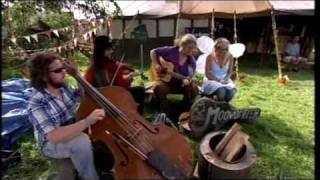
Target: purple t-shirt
(171, 54)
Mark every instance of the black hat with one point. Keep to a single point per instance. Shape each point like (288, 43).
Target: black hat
(103, 42)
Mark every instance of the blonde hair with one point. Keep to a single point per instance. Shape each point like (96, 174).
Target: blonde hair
(222, 43)
(185, 39)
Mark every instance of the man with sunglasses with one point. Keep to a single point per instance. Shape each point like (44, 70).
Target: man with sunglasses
(52, 109)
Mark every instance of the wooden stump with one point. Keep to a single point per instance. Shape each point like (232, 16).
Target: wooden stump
(211, 166)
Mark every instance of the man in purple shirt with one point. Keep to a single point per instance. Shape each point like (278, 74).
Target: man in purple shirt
(184, 66)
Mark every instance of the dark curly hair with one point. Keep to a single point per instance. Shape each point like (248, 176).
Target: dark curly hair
(39, 67)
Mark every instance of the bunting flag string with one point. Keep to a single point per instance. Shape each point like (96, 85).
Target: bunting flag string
(48, 34)
(71, 44)
(94, 23)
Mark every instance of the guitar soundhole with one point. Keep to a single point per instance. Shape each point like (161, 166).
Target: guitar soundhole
(163, 71)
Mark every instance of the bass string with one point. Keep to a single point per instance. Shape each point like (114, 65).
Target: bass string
(114, 112)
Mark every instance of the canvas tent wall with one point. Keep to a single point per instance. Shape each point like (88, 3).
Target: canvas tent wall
(196, 13)
(160, 17)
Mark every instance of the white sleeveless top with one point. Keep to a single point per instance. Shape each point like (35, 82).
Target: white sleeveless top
(210, 86)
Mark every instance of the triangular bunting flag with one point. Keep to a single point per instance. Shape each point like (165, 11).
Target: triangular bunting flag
(55, 32)
(85, 36)
(14, 40)
(27, 38)
(73, 33)
(89, 33)
(101, 20)
(94, 31)
(35, 37)
(75, 42)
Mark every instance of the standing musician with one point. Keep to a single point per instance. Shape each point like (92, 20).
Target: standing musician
(105, 69)
(184, 64)
(51, 111)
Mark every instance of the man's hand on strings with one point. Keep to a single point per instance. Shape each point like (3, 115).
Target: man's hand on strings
(94, 116)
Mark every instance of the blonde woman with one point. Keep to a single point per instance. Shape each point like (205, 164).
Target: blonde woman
(218, 70)
(181, 56)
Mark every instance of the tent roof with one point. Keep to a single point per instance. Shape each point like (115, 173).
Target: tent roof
(171, 7)
(305, 7)
(293, 5)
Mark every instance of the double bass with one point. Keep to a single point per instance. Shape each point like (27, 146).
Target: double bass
(140, 149)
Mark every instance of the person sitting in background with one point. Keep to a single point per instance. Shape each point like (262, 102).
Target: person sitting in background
(51, 110)
(218, 70)
(105, 69)
(292, 54)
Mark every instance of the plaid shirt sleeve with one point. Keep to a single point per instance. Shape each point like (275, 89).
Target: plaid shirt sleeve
(40, 117)
(75, 93)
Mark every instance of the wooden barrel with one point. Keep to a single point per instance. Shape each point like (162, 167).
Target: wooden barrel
(212, 167)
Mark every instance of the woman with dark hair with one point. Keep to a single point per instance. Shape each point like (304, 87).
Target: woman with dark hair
(105, 69)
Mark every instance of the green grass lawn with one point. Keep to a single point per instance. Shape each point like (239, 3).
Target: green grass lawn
(283, 136)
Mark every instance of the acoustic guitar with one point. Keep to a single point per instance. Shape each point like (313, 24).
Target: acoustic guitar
(166, 73)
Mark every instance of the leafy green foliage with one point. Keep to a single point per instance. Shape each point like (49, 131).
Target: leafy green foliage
(22, 18)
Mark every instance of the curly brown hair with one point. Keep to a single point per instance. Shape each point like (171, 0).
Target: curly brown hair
(39, 67)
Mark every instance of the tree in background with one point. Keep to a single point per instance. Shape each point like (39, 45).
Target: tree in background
(22, 18)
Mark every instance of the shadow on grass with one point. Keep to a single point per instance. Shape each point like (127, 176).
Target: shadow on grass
(175, 101)
(280, 148)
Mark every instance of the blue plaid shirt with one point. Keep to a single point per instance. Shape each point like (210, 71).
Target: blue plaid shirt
(47, 112)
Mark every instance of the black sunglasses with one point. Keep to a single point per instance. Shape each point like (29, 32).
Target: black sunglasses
(59, 70)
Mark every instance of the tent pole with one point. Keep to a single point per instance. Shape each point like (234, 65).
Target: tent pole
(141, 45)
(235, 41)
(275, 37)
(178, 19)
(212, 24)
(109, 28)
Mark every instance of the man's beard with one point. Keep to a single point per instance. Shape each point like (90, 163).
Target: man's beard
(54, 84)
